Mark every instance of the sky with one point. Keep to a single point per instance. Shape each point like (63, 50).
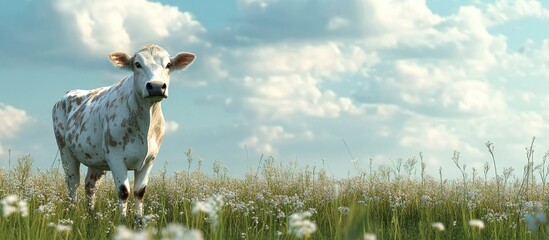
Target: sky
(324, 83)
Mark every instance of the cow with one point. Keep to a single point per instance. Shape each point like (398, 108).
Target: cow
(117, 128)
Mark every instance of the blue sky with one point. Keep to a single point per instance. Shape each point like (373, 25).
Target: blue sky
(293, 79)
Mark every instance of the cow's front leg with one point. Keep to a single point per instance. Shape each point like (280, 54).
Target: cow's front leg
(141, 181)
(121, 183)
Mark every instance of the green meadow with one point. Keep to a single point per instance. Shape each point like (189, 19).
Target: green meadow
(284, 200)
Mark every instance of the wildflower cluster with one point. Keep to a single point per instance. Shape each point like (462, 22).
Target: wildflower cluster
(171, 232)
(300, 226)
(211, 206)
(62, 226)
(12, 205)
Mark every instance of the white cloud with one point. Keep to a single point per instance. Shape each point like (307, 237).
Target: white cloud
(336, 23)
(471, 96)
(171, 126)
(430, 136)
(264, 138)
(324, 20)
(285, 97)
(254, 3)
(436, 89)
(322, 60)
(102, 26)
(12, 121)
(501, 11)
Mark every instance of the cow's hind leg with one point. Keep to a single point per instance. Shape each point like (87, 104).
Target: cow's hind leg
(93, 180)
(72, 172)
(71, 165)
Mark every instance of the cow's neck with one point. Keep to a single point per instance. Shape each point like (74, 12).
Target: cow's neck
(145, 112)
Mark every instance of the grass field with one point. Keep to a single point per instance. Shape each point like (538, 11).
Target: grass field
(286, 201)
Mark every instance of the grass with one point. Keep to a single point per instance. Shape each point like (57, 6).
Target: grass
(287, 201)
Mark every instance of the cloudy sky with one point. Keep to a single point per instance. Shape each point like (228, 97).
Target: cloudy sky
(295, 79)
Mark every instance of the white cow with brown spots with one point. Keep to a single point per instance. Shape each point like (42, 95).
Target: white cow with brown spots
(117, 128)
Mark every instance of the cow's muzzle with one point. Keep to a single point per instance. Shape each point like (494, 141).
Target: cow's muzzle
(157, 89)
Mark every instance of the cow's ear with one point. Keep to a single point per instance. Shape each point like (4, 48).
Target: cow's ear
(120, 59)
(181, 61)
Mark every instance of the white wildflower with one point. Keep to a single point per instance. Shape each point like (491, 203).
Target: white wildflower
(438, 226)
(10, 199)
(179, 232)
(147, 219)
(344, 210)
(11, 204)
(369, 236)
(8, 210)
(64, 228)
(300, 226)
(123, 233)
(23, 208)
(210, 207)
(476, 223)
(281, 214)
(46, 208)
(66, 222)
(60, 227)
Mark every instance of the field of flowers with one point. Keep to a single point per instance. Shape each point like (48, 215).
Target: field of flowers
(279, 200)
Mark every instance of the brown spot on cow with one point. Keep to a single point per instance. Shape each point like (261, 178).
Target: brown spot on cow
(97, 95)
(140, 194)
(78, 100)
(69, 109)
(60, 139)
(63, 105)
(126, 139)
(123, 193)
(70, 137)
(77, 116)
(92, 180)
(124, 122)
(110, 140)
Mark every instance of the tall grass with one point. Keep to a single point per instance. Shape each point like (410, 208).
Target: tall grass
(278, 200)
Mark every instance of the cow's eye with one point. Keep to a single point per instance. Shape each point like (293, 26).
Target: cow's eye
(137, 65)
(169, 65)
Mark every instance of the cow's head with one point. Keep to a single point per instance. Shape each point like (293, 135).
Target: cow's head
(151, 67)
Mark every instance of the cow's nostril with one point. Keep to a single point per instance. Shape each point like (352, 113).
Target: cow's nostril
(164, 86)
(149, 86)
